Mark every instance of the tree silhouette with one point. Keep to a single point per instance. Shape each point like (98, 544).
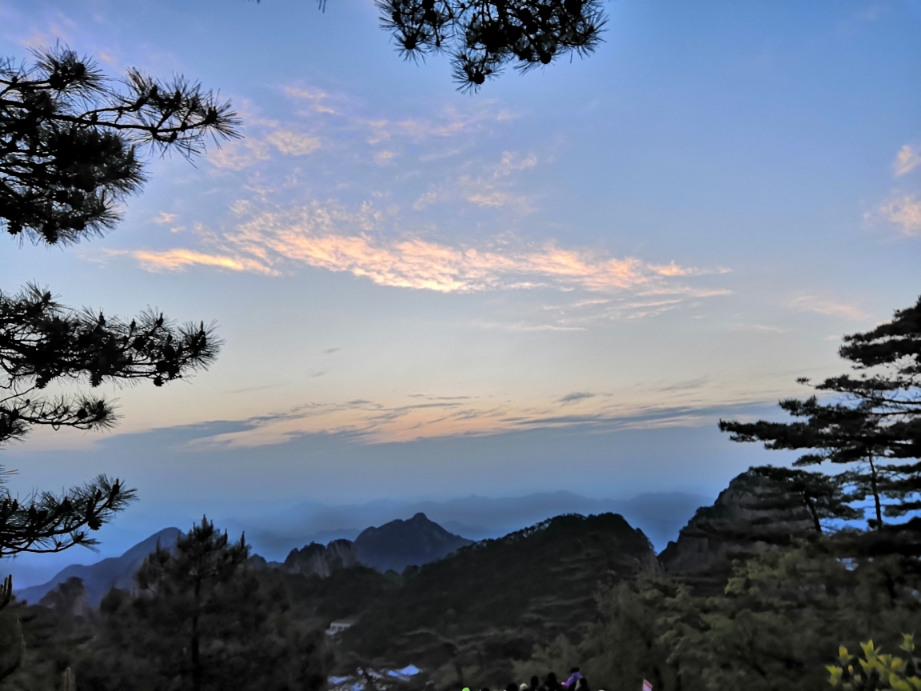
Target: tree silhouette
(483, 36)
(870, 423)
(203, 619)
(71, 140)
(72, 145)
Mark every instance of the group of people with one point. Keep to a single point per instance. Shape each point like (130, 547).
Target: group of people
(575, 682)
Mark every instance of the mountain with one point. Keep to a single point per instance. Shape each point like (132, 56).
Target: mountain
(99, 578)
(320, 560)
(398, 544)
(731, 529)
(497, 598)
(659, 515)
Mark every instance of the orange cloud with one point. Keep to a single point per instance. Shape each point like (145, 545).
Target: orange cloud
(331, 238)
(178, 259)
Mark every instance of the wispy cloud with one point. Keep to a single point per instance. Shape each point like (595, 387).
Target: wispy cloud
(906, 161)
(293, 143)
(332, 238)
(576, 396)
(490, 190)
(428, 417)
(179, 258)
(905, 212)
(164, 218)
(317, 100)
(830, 308)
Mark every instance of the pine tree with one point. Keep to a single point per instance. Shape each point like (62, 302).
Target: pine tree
(72, 145)
(482, 36)
(868, 422)
(202, 619)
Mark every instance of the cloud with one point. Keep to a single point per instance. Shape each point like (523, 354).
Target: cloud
(576, 396)
(164, 218)
(383, 157)
(510, 163)
(293, 143)
(830, 308)
(490, 190)
(430, 417)
(335, 239)
(495, 199)
(906, 161)
(179, 259)
(904, 212)
(239, 155)
(314, 97)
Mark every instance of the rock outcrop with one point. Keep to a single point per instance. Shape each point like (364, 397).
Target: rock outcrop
(68, 598)
(316, 559)
(734, 527)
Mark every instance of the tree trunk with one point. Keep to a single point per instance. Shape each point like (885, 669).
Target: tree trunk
(196, 658)
(810, 505)
(874, 486)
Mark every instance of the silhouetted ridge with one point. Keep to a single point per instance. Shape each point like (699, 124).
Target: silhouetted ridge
(398, 544)
(322, 561)
(99, 578)
(514, 591)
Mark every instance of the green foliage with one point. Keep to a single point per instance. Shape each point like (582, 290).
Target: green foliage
(202, 620)
(875, 670)
(774, 627)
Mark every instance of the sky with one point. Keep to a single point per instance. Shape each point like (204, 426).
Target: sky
(560, 282)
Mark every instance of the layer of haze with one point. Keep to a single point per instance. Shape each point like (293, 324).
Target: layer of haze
(561, 282)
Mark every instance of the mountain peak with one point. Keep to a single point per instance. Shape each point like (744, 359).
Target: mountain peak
(401, 543)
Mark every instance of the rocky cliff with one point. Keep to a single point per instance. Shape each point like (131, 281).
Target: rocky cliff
(315, 559)
(732, 528)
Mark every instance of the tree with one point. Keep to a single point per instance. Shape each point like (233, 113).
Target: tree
(189, 579)
(201, 619)
(871, 423)
(790, 489)
(482, 36)
(71, 149)
(70, 140)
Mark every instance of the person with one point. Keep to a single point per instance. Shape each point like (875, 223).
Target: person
(581, 684)
(535, 684)
(552, 684)
(574, 676)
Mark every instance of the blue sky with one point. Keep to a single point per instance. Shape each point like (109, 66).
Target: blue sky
(561, 282)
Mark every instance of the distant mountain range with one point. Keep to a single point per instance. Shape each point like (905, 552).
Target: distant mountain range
(392, 546)
(99, 578)
(274, 535)
(659, 515)
(493, 601)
